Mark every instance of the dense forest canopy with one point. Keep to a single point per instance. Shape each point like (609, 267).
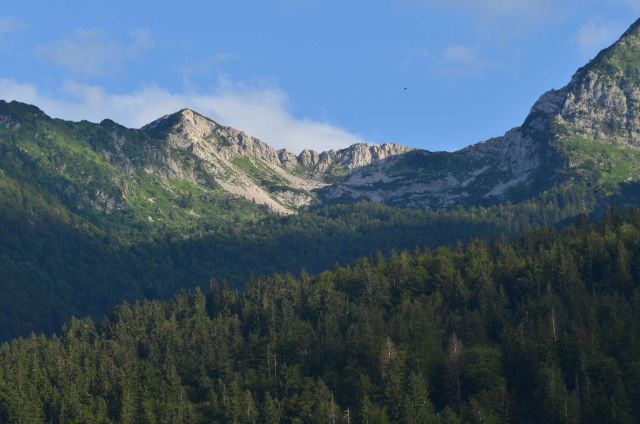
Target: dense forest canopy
(540, 329)
(57, 264)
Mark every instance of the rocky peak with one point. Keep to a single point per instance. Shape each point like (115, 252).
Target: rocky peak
(15, 114)
(190, 130)
(288, 159)
(308, 158)
(359, 155)
(602, 101)
(185, 121)
(355, 156)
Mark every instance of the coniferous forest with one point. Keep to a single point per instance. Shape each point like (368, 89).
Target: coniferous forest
(55, 264)
(544, 328)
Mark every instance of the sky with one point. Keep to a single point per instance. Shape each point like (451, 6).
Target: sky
(320, 74)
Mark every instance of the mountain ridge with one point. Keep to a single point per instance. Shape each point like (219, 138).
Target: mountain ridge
(350, 157)
(587, 131)
(188, 146)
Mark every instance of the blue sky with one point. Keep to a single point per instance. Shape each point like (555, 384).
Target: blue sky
(305, 73)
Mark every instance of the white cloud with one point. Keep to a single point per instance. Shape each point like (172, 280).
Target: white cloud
(261, 112)
(9, 24)
(596, 35)
(88, 52)
(460, 60)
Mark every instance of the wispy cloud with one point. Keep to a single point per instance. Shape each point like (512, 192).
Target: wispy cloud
(516, 15)
(458, 60)
(505, 8)
(259, 111)
(634, 5)
(596, 35)
(203, 67)
(522, 14)
(9, 24)
(90, 53)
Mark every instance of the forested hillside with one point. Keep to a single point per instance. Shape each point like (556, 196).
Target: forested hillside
(541, 329)
(56, 263)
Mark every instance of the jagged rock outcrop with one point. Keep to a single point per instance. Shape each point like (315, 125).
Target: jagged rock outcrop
(245, 166)
(188, 129)
(353, 157)
(602, 102)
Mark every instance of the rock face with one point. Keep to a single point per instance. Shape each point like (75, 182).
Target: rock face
(187, 129)
(353, 157)
(602, 101)
(247, 167)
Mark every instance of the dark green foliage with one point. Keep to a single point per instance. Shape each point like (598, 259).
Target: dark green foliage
(56, 263)
(541, 329)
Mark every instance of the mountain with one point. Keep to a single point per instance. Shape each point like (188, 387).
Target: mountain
(182, 168)
(538, 328)
(588, 131)
(94, 214)
(247, 167)
(185, 170)
(56, 263)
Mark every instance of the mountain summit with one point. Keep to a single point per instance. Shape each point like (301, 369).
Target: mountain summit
(187, 127)
(602, 100)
